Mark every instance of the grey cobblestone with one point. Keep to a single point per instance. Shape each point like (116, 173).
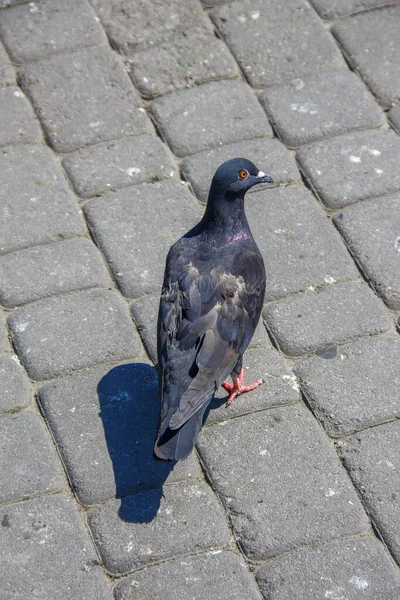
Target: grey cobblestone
(50, 269)
(28, 463)
(372, 232)
(353, 167)
(15, 391)
(98, 104)
(30, 32)
(309, 321)
(274, 41)
(276, 468)
(116, 164)
(75, 331)
(191, 120)
(188, 519)
(341, 8)
(394, 118)
(372, 458)
(17, 120)
(319, 106)
(3, 333)
(7, 73)
(144, 310)
(353, 387)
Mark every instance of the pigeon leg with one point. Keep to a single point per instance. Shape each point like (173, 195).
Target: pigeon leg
(238, 388)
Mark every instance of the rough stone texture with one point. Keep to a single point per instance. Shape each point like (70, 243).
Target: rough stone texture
(36, 203)
(98, 104)
(50, 269)
(188, 60)
(275, 41)
(46, 553)
(144, 311)
(354, 569)
(3, 333)
(280, 481)
(7, 74)
(35, 30)
(28, 463)
(17, 120)
(375, 59)
(301, 248)
(372, 458)
(260, 338)
(105, 422)
(135, 228)
(341, 8)
(119, 163)
(208, 576)
(5, 3)
(353, 167)
(372, 232)
(320, 106)
(312, 320)
(353, 387)
(185, 516)
(394, 117)
(192, 120)
(268, 154)
(74, 331)
(15, 391)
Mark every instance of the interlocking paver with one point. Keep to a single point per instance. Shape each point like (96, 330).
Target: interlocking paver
(280, 481)
(135, 228)
(268, 154)
(36, 203)
(275, 41)
(394, 117)
(32, 34)
(341, 8)
(353, 387)
(7, 73)
(144, 310)
(15, 391)
(17, 120)
(192, 120)
(28, 463)
(210, 576)
(319, 106)
(119, 163)
(371, 53)
(104, 422)
(188, 518)
(372, 458)
(306, 322)
(372, 232)
(50, 269)
(3, 333)
(73, 331)
(98, 104)
(46, 553)
(352, 167)
(356, 569)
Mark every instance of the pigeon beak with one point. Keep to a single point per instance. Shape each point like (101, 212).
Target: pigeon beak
(263, 178)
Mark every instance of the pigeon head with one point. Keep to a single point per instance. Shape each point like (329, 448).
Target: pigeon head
(235, 177)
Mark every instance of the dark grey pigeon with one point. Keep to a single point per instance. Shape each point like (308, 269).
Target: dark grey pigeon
(211, 300)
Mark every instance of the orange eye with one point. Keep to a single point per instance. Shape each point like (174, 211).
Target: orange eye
(243, 174)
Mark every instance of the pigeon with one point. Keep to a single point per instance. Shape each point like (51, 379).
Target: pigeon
(211, 300)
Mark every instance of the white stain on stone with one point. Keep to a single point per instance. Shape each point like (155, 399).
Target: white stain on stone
(21, 327)
(133, 171)
(330, 280)
(374, 152)
(359, 584)
(255, 15)
(335, 594)
(307, 108)
(330, 492)
(242, 19)
(263, 452)
(379, 171)
(354, 159)
(32, 7)
(291, 379)
(17, 94)
(94, 124)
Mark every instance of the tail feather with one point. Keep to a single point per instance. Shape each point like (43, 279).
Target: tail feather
(174, 444)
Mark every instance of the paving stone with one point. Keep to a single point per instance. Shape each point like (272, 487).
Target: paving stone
(212, 576)
(300, 246)
(192, 120)
(352, 167)
(372, 458)
(75, 331)
(319, 106)
(28, 463)
(260, 338)
(306, 322)
(15, 391)
(342, 8)
(36, 203)
(3, 333)
(159, 524)
(135, 237)
(119, 163)
(274, 41)
(46, 553)
(151, 23)
(372, 232)
(353, 387)
(50, 269)
(352, 569)
(17, 120)
(98, 104)
(374, 59)
(144, 310)
(268, 154)
(7, 73)
(180, 63)
(104, 422)
(5, 3)
(34, 30)
(394, 117)
(280, 481)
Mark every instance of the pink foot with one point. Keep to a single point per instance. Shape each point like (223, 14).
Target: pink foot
(238, 388)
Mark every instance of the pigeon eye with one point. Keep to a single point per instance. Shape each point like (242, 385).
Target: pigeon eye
(242, 174)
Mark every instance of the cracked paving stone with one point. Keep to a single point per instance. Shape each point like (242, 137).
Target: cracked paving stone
(18, 124)
(15, 390)
(7, 73)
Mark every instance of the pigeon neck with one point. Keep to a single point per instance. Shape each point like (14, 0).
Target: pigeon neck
(226, 214)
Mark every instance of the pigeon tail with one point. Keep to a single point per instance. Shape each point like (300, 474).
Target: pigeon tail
(174, 444)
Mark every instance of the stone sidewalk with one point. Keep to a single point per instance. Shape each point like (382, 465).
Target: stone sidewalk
(113, 117)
